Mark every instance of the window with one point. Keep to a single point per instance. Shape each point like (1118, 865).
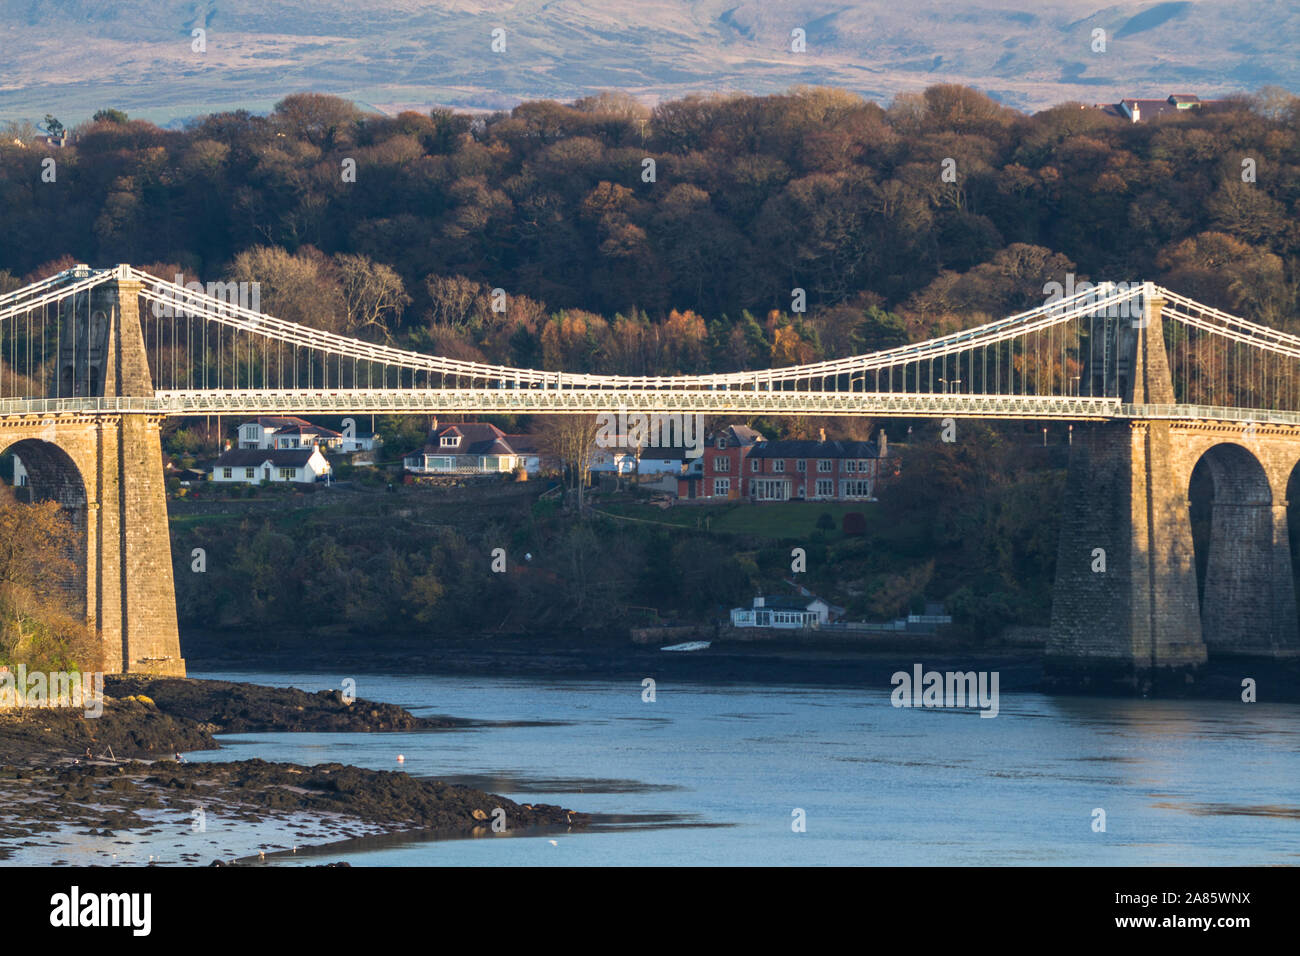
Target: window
(755, 465)
(721, 463)
(801, 466)
(722, 487)
(825, 488)
(824, 465)
(250, 472)
(850, 466)
(778, 465)
(864, 467)
(856, 489)
(227, 472)
(449, 441)
(722, 441)
(287, 474)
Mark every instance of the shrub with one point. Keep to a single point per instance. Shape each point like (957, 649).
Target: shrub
(855, 523)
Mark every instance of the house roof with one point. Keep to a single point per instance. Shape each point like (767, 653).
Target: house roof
(1174, 104)
(293, 425)
(308, 431)
(476, 438)
(523, 444)
(253, 457)
(795, 448)
(785, 602)
(737, 435)
(658, 452)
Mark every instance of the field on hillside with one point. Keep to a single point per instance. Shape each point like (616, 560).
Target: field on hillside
(72, 57)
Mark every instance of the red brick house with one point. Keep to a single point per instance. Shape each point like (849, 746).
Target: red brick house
(723, 476)
(823, 470)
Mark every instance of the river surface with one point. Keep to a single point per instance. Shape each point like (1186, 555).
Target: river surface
(713, 774)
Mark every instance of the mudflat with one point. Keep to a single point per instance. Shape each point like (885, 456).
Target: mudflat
(116, 773)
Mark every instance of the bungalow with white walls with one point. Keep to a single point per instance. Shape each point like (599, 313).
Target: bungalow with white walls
(466, 448)
(530, 452)
(778, 611)
(254, 465)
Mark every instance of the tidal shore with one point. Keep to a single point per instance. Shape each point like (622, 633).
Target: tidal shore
(614, 657)
(114, 776)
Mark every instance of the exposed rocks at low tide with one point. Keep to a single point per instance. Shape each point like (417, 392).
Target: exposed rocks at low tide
(227, 707)
(131, 781)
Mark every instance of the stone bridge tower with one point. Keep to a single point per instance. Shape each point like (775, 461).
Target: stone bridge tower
(1126, 615)
(104, 465)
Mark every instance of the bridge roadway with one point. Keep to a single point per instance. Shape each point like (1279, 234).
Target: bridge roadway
(590, 401)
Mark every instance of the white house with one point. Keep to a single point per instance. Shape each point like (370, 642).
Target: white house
(527, 448)
(468, 448)
(782, 612)
(621, 459)
(288, 431)
(254, 465)
(359, 442)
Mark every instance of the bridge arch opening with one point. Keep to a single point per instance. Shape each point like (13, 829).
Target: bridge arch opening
(1293, 525)
(1232, 517)
(40, 471)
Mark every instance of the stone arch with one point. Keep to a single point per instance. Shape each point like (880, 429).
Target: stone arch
(53, 475)
(1247, 593)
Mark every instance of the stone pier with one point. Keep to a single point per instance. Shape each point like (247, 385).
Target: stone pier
(1125, 611)
(105, 469)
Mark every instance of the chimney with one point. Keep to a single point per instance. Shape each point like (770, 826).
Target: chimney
(884, 443)
(1137, 112)
(821, 434)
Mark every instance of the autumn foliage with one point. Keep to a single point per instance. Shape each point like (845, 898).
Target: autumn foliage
(604, 235)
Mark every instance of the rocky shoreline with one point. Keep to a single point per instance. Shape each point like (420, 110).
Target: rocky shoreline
(117, 774)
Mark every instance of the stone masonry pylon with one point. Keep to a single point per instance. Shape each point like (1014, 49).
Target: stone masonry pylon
(1125, 613)
(134, 594)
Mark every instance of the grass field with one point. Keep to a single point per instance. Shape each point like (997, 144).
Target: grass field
(790, 519)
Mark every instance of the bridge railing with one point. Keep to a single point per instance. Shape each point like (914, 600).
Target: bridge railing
(1211, 413)
(37, 406)
(489, 400)
(701, 401)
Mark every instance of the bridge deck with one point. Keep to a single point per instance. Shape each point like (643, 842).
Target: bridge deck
(590, 401)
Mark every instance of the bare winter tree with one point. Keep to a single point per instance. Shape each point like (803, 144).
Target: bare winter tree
(455, 300)
(571, 439)
(373, 295)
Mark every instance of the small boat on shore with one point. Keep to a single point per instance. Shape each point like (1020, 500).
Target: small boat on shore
(688, 646)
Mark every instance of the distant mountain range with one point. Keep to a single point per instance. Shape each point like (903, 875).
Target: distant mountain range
(71, 57)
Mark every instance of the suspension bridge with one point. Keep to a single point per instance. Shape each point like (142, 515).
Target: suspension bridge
(92, 361)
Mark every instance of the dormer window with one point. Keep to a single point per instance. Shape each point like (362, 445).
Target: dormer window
(449, 441)
(722, 441)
